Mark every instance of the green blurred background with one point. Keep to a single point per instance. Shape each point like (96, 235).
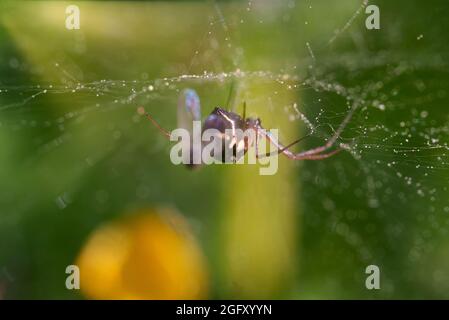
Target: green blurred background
(75, 154)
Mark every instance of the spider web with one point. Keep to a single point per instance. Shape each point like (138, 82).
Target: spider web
(392, 180)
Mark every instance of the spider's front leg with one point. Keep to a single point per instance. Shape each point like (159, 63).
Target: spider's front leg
(313, 154)
(189, 110)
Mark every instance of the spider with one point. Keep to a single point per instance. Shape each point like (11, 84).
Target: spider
(189, 110)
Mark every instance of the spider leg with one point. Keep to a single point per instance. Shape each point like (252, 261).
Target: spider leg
(142, 111)
(257, 143)
(319, 156)
(244, 111)
(313, 154)
(330, 143)
(270, 154)
(231, 96)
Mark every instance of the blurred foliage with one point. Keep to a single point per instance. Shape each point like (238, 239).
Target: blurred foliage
(308, 232)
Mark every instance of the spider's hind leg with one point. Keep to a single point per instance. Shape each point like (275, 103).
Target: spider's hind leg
(165, 132)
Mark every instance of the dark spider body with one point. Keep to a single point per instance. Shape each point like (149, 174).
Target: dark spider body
(227, 121)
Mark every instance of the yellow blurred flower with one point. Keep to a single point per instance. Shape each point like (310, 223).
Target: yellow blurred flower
(151, 254)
